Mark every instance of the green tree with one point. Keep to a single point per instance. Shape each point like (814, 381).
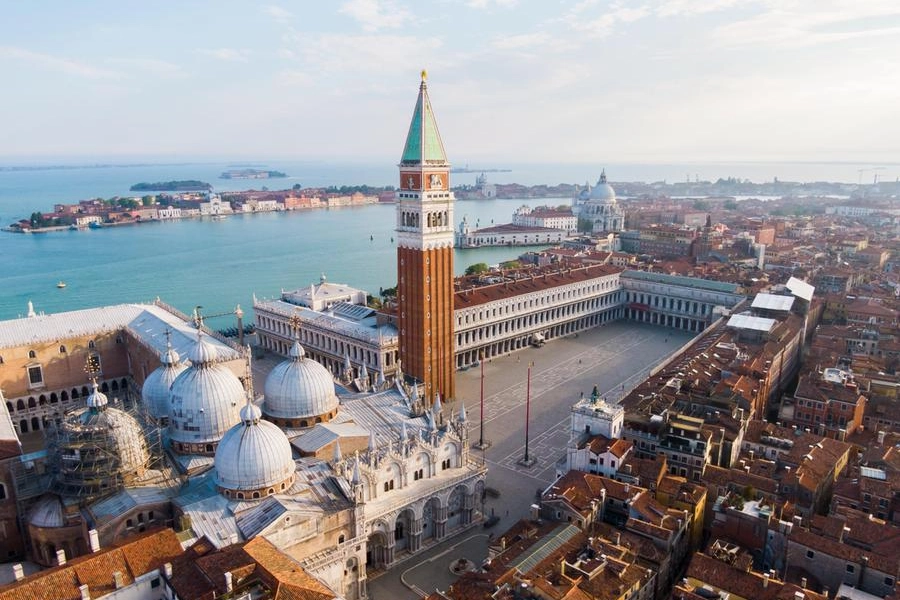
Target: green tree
(477, 269)
(701, 205)
(147, 200)
(730, 204)
(585, 225)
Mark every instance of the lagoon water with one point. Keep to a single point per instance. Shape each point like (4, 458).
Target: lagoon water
(190, 262)
(219, 264)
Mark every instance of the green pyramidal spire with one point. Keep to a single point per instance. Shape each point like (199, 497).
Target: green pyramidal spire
(423, 142)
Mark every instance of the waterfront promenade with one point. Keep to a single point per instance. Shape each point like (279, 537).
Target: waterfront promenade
(619, 354)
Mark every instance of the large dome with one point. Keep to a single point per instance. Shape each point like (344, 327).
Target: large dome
(299, 392)
(99, 449)
(603, 192)
(206, 402)
(156, 392)
(254, 458)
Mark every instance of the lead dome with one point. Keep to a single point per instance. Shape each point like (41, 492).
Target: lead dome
(99, 449)
(206, 401)
(156, 391)
(254, 458)
(299, 392)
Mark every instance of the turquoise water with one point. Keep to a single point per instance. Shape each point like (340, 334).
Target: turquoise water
(216, 264)
(219, 264)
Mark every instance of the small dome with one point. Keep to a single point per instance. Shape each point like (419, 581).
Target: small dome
(48, 512)
(254, 456)
(250, 414)
(299, 388)
(96, 398)
(206, 399)
(203, 351)
(156, 391)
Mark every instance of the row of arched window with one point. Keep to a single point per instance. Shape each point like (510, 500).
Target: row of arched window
(64, 396)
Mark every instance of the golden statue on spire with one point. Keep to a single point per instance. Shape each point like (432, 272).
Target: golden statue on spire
(295, 323)
(424, 75)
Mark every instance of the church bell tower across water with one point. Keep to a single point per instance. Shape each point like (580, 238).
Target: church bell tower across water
(425, 255)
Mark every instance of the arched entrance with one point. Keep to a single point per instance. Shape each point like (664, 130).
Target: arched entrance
(403, 527)
(455, 507)
(376, 551)
(434, 519)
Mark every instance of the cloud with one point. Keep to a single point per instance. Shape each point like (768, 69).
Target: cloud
(278, 13)
(64, 65)
(481, 4)
(226, 54)
(369, 54)
(373, 15)
(535, 42)
(293, 77)
(671, 8)
(808, 24)
(160, 68)
(604, 24)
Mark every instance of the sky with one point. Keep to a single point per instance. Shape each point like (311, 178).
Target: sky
(510, 80)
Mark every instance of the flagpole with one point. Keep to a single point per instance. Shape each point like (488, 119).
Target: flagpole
(482, 443)
(527, 460)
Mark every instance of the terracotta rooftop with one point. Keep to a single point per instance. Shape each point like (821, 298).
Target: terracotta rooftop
(132, 559)
(725, 578)
(548, 279)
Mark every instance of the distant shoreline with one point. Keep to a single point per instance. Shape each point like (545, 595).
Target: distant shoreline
(183, 185)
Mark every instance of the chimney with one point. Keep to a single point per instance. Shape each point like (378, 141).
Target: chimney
(881, 437)
(803, 582)
(798, 520)
(229, 582)
(765, 580)
(798, 595)
(845, 531)
(18, 572)
(60, 557)
(119, 579)
(94, 538)
(167, 570)
(618, 539)
(85, 592)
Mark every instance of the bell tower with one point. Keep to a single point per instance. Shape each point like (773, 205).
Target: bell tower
(425, 255)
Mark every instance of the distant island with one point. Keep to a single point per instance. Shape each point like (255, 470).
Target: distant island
(187, 185)
(251, 174)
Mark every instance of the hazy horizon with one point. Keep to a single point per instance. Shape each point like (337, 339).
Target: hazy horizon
(594, 81)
